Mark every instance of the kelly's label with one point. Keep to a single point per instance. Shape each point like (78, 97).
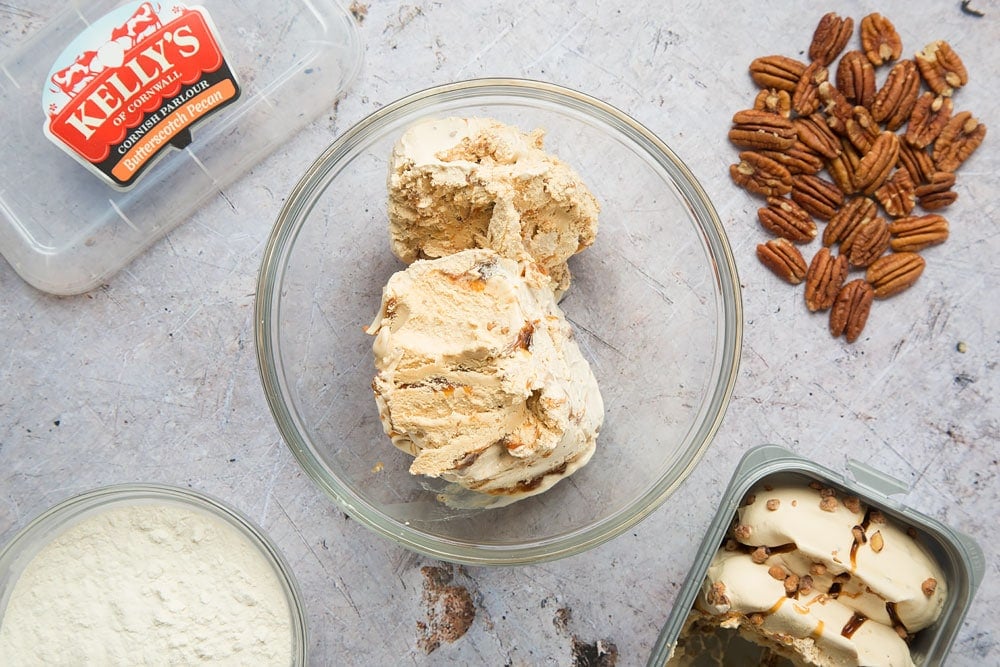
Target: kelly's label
(133, 84)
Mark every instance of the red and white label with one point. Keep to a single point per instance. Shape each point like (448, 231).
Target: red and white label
(138, 87)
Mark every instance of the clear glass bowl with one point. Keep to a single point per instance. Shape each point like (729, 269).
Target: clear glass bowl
(53, 522)
(655, 305)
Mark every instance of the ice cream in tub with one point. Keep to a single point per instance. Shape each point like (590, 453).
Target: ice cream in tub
(802, 565)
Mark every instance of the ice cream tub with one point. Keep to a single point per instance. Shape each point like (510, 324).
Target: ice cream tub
(803, 565)
(122, 118)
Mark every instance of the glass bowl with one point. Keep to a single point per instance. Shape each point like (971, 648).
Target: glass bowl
(59, 519)
(654, 303)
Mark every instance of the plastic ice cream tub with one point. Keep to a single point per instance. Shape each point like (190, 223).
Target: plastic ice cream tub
(959, 558)
(121, 118)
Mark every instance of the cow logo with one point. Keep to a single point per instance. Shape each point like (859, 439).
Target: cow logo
(133, 84)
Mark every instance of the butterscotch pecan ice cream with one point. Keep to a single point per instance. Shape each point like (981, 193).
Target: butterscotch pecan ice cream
(461, 183)
(479, 377)
(821, 579)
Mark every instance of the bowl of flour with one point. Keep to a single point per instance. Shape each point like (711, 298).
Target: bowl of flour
(147, 574)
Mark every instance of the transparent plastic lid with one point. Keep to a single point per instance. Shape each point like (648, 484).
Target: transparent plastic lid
(114, 136)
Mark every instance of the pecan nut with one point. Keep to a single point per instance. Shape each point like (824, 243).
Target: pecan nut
(856, 78)
(835, 106)
(779, 72)
(941, 68)
(830, 37)
(957, 141)
(862, 129)
(824, 278)
(879, 39)
(813, 131)
(784, 218)
(877, 163)
(868, 242)
(798, 159)
(756, 129)
(805, 96)
(897, 195)
(783, 260)
(856, 211)
(844, 167)
(895, 99)
(930, 114)
(891, 274)
(774, 101)
(937, 193)
(819, 197)
(760, 174)
(915, 233)
(850, 310)
(917, 162)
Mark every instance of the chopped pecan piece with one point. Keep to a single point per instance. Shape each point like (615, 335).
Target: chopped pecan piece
(879, 39)
(819, 197)
(830, 38)
(786, 219)
(895, 99)
(805, 96)
(779, 72)
(957, 141)
(846, 220)
(937, 194)
(756, 129)
(760, 555)
(824, 278)
(929, 586)
(891, 274)
(869, 240)
(777, 572)
(717, 595)
(930, 114)
(877, 163)
(760, 174)
(774, 101)
(941, 68)
(856, 78)
(897, 194)
(915, 233)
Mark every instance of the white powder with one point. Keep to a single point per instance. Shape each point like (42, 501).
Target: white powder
(154, 584)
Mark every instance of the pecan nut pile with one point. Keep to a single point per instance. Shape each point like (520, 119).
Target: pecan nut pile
(886, 151)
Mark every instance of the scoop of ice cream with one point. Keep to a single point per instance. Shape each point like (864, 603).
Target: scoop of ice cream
(461, 183)
(479, 376)
(832, 581)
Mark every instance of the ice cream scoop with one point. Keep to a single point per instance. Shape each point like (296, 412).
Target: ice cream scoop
(461, 183)
(822, 578)
(479, 376)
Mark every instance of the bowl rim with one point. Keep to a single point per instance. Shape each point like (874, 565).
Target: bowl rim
(310, 188)
(53, 521)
